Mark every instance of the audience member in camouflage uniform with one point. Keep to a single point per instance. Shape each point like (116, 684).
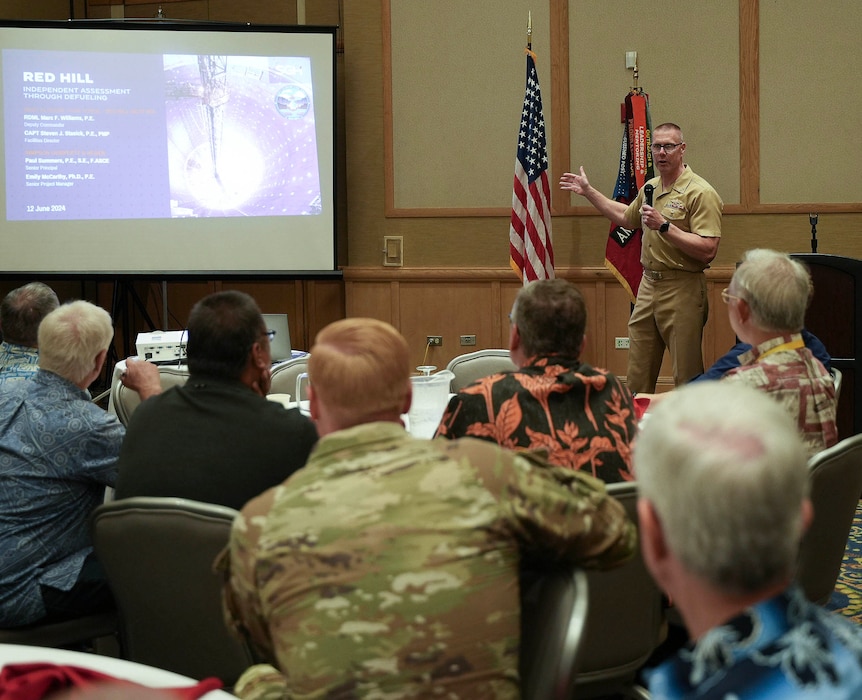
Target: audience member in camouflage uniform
(581, 417)
(388, 565)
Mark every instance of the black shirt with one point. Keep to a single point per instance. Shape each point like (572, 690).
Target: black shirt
(211, 440)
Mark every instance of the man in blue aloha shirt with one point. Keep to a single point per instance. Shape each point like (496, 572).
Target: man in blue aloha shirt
(58, 452)
(723, 484)
(21, 312)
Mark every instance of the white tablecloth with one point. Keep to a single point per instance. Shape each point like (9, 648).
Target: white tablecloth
(118, 668)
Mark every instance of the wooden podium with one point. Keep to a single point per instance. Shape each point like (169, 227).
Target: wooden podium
(833, 316)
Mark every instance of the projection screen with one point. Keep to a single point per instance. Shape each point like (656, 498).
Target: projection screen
(167, 148)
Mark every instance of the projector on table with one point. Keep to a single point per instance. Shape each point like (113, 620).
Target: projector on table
(162, 346)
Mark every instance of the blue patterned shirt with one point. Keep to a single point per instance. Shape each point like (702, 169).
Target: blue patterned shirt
(58, 451)
(17, 362)
(784, 647)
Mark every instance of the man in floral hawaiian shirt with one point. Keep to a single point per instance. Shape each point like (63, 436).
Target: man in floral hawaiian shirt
(723, 484)
(582, 417)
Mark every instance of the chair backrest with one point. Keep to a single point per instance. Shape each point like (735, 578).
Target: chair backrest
(553, 616)
(284, 377)
(836, 483)
(837, 378)
(158, 555)
(625, 620)
(61, 634)
(124, 401)
(471, 366)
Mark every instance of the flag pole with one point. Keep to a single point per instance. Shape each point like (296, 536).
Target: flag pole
(531, 250)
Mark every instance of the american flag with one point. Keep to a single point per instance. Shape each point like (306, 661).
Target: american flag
(530, 245)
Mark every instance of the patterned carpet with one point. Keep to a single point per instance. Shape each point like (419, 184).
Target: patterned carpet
(847, 596)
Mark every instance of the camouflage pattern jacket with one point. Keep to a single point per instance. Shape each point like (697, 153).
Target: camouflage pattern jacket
(388, 566)
(579, 416)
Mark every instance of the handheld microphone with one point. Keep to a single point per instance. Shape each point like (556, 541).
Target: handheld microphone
(648, 190)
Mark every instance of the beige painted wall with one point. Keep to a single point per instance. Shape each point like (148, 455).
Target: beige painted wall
(693, 77)
(456, 83)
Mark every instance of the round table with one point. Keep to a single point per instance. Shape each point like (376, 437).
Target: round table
(118, 668)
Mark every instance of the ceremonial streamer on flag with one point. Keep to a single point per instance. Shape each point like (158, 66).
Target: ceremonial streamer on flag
(623, 250)
(530, 246)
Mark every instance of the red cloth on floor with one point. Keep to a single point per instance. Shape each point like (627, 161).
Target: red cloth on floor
(34, 681)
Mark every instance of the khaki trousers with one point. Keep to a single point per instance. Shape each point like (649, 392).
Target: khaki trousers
(669, 313)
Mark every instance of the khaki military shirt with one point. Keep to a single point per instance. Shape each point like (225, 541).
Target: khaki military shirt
(691, 204)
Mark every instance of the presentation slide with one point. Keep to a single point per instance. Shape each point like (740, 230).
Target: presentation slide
(188, 136)
(199, 148)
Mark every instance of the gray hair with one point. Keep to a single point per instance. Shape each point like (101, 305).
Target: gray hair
(776, 287)
(23, 309)
(726, 471)
(71, 336)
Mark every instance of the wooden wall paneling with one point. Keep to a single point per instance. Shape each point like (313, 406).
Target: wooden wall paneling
(27, 9)
(257, 12)
(182, 296)
(324, 303)
(309, 304)
(508, 292)
(66, 289)
(450, 309)
(372, 299)
(595, 351)
(615, 313)
(718, 336)
(127, 300)
(182, 9)
(593, 342)
(500, 321)
(276, 297)
(478, 302)
(273, 296)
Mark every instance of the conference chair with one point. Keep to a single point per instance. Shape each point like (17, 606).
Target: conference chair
(835, 476)
(553, 615)
(284, 377)
(158, 555)
(837, 378)
(124, 401)
(625, 621)
(79, 631)
(471, 366)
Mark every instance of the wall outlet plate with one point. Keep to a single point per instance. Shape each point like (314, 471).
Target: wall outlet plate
(621, 343)
(468, 340)
(435, 341)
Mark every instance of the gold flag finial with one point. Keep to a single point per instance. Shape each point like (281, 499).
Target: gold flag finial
(529, 29)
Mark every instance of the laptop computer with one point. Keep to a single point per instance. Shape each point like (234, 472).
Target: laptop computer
(280, 345)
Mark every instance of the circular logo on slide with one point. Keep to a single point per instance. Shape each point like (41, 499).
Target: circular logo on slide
(292, 102)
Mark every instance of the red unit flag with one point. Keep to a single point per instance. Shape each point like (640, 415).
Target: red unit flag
(623, 250)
